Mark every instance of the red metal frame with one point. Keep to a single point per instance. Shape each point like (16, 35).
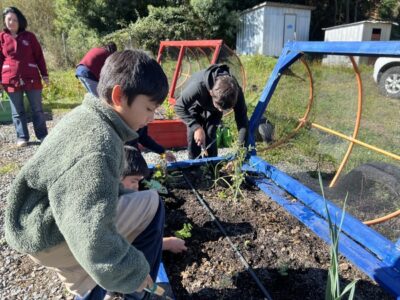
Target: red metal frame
(182, 45)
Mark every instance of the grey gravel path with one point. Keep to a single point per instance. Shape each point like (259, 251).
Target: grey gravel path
(19, 277)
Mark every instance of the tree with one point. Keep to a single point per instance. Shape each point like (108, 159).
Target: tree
(390, 10)
(218, 19)
(162, 23)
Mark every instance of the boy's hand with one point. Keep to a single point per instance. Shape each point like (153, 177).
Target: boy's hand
(169, 156)
(200, 137)
(174, 244)
(148, 282)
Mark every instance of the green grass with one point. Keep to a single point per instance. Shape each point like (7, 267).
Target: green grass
(335, 107)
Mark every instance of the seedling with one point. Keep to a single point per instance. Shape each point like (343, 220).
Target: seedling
(155, 185)
(333, 291)
(222, 195)
(160, 173)
(185, 232)
(169, 111)
(247, 244)
(283, 270)
(236, 177)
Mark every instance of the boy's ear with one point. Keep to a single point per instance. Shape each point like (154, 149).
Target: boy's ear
(116, 95)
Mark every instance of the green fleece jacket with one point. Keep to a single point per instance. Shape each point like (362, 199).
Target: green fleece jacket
(68, 191)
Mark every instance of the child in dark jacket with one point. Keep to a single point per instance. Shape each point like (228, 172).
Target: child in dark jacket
(135, 170)
(208, 93)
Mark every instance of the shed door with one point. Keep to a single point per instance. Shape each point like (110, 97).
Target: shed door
(289, 31)
(376, 34)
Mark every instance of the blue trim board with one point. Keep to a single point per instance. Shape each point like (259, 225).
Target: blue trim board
(374, 48)
(371, 252)
(379, 245)
(162, 276)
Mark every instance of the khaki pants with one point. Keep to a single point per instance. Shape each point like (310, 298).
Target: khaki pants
(135, 212)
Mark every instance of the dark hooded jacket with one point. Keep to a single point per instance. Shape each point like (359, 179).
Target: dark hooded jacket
(196, 98)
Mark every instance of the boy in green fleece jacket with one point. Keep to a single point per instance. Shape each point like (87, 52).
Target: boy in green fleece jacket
(64, 205)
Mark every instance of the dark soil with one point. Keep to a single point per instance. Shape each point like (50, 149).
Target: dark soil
(289, 260)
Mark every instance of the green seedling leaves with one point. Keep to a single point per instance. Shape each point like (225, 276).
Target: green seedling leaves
(185, 232)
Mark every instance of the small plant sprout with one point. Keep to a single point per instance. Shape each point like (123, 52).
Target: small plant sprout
(333, 291)
(222, 195)
(185, 232)
(236, 176)
(169, 111)
(160, 173)
(283, 269)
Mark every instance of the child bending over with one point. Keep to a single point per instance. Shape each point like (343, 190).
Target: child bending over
(135, 170)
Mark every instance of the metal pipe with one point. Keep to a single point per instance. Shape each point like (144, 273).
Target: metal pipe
(241, 258)
(358, 142)
(356, 125)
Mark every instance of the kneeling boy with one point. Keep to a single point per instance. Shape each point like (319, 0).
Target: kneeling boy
(62, 207)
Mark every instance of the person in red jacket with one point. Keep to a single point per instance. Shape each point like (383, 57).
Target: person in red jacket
(22, 69)
(88, 69)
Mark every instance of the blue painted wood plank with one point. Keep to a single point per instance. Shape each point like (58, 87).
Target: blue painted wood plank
(162, 274)
(375, 48)
(379, 245)
(387, 276)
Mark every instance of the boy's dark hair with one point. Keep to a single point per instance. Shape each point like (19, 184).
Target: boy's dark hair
(225, 92)
(110, 47)
(136, 73)
(22, 22)
(135, 163)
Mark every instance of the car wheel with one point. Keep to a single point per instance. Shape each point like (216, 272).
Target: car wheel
(389, 83)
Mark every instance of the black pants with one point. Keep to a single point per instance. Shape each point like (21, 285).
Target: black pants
(209, 121)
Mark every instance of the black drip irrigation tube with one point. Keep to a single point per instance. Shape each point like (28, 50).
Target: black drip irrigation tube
(241, 258)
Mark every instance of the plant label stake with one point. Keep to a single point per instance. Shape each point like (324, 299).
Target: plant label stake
(157, 290)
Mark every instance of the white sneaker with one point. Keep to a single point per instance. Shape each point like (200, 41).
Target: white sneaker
(22, 143)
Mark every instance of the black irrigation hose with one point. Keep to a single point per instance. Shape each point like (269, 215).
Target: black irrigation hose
(241, 258)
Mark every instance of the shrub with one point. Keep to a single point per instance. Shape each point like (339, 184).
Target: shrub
(64, 92)
(162, 23)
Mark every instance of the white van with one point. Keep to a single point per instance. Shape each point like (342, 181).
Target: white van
(387, 76)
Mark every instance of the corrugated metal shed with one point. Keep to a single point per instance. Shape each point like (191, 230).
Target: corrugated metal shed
(265, 28)
(357, 32)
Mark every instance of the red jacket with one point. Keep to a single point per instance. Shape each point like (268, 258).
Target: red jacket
(21, 59)
(94, 60)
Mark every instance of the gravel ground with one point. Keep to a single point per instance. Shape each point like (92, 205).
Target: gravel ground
(20, 278)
